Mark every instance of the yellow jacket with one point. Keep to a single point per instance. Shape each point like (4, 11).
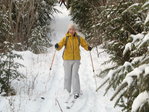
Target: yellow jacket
(72, 49)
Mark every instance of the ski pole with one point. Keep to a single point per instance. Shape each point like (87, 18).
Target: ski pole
(93, 69)
(53, 60)
(50, 69)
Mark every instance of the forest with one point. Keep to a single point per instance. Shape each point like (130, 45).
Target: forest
(121, 27)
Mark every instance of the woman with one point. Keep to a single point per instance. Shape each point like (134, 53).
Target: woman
(71, 56)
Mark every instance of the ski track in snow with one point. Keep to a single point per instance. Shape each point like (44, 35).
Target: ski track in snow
(48, 85)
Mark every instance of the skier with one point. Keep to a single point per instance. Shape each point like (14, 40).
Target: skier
(71, 56)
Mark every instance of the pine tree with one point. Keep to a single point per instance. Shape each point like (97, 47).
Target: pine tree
(81, 15)
(122, 27)
(23, 26)
(130, 77)
(8, 67)
(27, 16)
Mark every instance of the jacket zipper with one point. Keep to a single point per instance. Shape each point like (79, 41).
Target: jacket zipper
(73, 47)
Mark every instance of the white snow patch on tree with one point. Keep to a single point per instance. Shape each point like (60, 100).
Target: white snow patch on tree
(140, 100)
(137, 37)
(147, 18)
(146, 70)
(131, 7)
(136, 72)
(147, 3)
(111, 73)
(128, 47)
(129, 81)
(137, 59)
(145, 39)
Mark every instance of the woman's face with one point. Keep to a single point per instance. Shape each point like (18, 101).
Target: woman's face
(72, 31)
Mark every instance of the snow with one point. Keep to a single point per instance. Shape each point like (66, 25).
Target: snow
(128, 47)
(146, 71)
(131, 7)
(43, 3)
(41, 88)
(111, 73)
(122, 69)
(96, 25)
(127, 64)
(137, 37)
(137, 59)
(140, 100)
(146, 4)
(136, 72)
(147, 18)
(145, 39)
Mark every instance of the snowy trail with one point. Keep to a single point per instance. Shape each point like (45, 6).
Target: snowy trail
(90, 101)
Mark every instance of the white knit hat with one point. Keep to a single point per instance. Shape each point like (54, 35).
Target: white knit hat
(71, 26)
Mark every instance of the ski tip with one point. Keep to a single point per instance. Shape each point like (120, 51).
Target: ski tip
(42, 98)
(67, 107)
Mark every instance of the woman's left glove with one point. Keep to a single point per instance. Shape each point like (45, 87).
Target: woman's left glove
(56, 45)
(89, 48)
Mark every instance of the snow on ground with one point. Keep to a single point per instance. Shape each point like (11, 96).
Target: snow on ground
(42, 88)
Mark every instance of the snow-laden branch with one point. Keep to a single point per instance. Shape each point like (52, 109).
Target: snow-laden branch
(128, 47)
(113, 74)
(145, 40)
(141, 99)
(147, 19)
(128, 80)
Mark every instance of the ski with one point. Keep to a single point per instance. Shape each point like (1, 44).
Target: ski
(67, 100)
(70, 105)
(72, 101)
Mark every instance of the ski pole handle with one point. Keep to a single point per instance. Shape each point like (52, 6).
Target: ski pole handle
(53, 60)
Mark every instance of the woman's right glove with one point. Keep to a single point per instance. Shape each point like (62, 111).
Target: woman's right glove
(89, 48)
(56, 45)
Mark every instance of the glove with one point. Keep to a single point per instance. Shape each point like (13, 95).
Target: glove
(56, 45)
(89, 48)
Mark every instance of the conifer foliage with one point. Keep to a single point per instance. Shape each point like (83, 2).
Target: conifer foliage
(24, 25)
(29, 21)
(123, 29)
(8, 67)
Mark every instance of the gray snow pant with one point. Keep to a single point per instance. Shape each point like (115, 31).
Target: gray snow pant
(71, 78)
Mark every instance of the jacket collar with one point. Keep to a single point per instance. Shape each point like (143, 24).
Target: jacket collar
(69, 34)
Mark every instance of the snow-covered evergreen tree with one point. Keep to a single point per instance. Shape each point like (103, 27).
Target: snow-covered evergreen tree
(8, 67)
(122, 27)
(39, 40)
(27, 16)
(81, 14)
(130, 77)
